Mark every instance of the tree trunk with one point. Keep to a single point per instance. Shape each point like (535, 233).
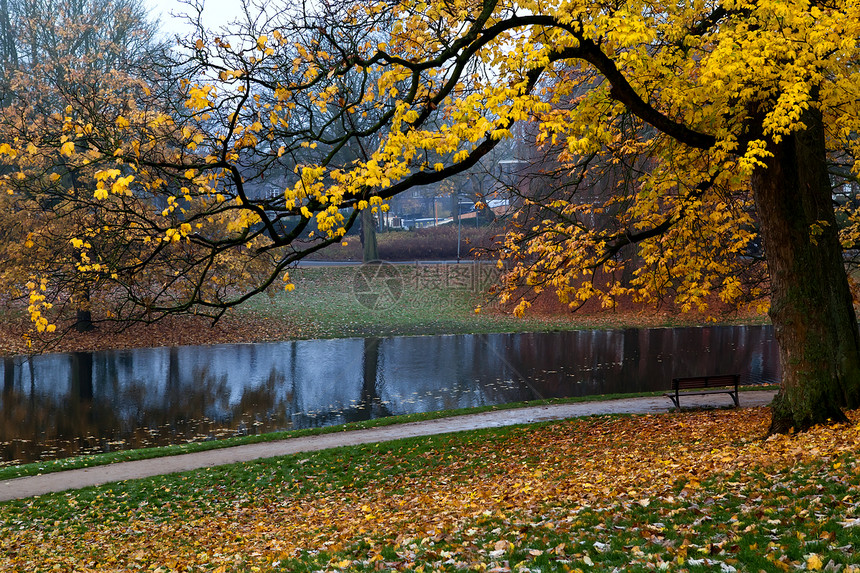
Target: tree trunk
(370, 250)
(84, 320)
(811, 305)
(83, 314)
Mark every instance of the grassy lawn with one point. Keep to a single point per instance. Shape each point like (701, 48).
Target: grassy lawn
(427, 299)
(423, 299)
(345, 301)
(691, 491)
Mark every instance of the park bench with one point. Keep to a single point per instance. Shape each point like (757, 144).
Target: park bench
(724, 384)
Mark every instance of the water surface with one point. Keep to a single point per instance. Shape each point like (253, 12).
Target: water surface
(59, 405)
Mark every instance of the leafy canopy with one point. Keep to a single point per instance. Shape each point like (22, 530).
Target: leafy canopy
(235, 155)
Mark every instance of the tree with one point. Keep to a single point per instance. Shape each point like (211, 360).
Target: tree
(729, 113)
(58, 57)
(53, 39)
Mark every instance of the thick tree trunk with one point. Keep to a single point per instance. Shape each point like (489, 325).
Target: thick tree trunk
(811, 304)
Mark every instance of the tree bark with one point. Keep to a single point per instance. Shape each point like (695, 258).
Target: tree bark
(811, 304)
(370, 250)
(83, 314)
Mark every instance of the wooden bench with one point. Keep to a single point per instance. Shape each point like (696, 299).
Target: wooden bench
(725, 384)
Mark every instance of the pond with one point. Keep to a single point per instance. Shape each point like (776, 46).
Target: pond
(59, 405)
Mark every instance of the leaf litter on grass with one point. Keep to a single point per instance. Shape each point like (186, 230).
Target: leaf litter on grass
(691, 491)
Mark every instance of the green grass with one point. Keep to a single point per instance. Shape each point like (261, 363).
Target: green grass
(761, 519)
(352, 467)
(434, 299)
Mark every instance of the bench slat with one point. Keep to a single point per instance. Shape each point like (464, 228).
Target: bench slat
(704, 392)
(727, 384)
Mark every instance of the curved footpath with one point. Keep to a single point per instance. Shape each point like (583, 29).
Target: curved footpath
(74, 479)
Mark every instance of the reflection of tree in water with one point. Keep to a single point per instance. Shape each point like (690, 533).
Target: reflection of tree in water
(369, 406)
(84, 403)
(259, 410)
(478, 370)
(502, 354)
(191, 407)
(197, 406)
(35, 427)
(8, 374)
(438, 373)
(581, 363)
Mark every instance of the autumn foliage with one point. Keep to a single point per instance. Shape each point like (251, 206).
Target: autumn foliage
(686, 492)
(194, 184)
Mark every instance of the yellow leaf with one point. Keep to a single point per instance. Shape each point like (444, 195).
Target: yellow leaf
(813, 563)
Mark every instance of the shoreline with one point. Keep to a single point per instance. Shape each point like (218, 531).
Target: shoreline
(432, 299)
(191, 330)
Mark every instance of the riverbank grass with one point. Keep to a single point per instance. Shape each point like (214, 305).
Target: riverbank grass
(690, 491)
(356, 301)
(395, 300)
(417, 299)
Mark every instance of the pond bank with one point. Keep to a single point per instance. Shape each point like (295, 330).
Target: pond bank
(81, 404)
(335, 302)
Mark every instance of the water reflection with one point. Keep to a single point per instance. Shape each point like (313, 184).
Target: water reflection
(67, 404)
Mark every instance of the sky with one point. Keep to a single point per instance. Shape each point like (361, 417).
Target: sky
(215, 13)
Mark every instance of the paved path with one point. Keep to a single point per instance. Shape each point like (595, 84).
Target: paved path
(74, 479)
